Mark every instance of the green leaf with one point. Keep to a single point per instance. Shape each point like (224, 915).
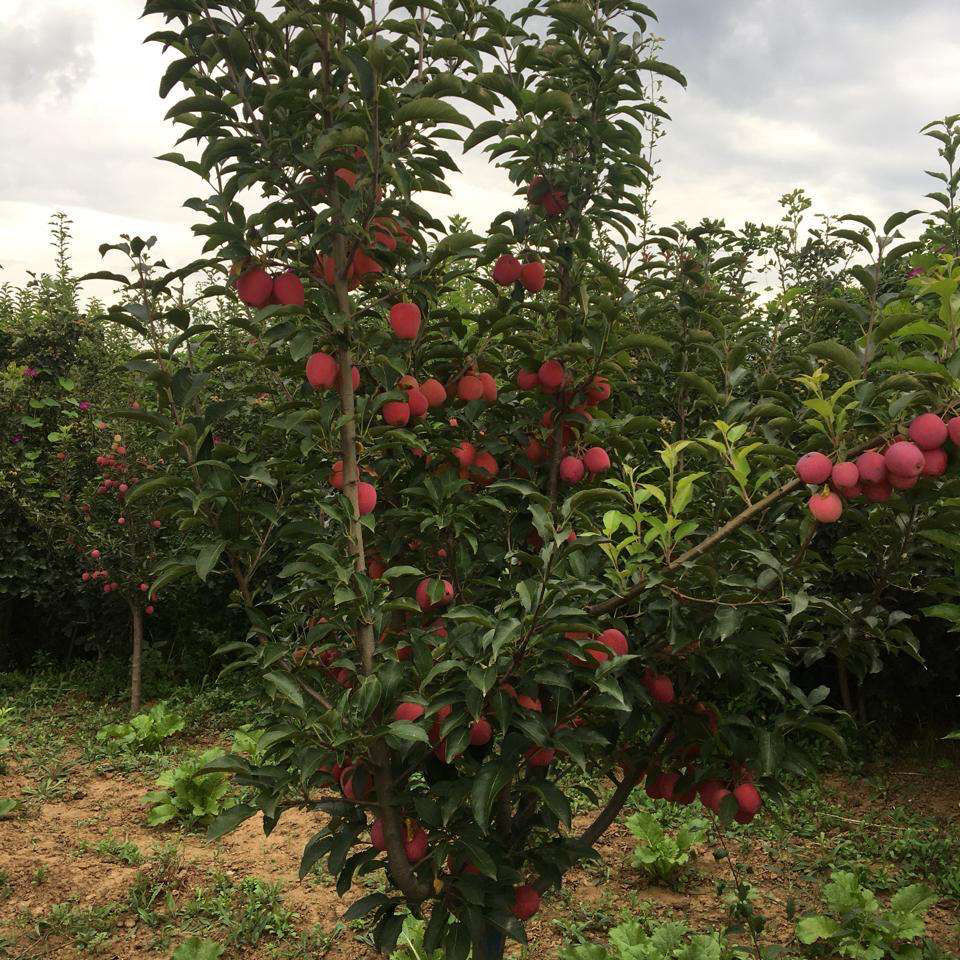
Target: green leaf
(229, 820)
(197, 948)
(837, 353)
(285, 686)
(174, 74)
(486, 786)
(429, 109)
(408, 731)
(364, 905)
(208, 556)
(664, 69)
(811, 929)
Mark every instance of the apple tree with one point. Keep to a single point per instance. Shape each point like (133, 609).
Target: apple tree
(477, 537)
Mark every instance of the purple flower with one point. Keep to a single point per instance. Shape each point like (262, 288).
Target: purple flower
(916, 272)
(16, 438)
(84, 404)
(30, 372)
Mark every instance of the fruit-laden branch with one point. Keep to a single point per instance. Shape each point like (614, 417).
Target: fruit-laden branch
(614, 805)
(702, 547)
(415, 890)
(731, 526)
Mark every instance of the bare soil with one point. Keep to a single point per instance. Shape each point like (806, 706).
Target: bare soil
(48, 856)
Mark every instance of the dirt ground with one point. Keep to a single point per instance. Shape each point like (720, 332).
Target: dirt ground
(48, 857)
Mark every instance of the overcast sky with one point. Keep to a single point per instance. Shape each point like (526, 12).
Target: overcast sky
(824, 94)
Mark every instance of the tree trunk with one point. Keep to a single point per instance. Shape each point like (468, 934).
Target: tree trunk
(489, 944)
(843, 680)
(136, 657)
(861, 703)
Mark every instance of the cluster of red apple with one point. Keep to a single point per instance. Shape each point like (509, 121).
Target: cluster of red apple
(508, 270)
(386, 234)
(357, 787)
(92, 576)
(113, 478)
(552, 201)
(875, 474)
(662, 786)
(553, 380)
(257, 288)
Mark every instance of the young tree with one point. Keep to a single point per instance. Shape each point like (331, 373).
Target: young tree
(449, 625)
(124, 536)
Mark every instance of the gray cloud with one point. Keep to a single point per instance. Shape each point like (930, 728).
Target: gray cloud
(824, 94)
(46, 54)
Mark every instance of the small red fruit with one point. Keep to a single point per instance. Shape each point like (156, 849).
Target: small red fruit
(288, 289)
(928, 431)
(748, 799)
(322, 371)
(953, 429)
(470, 388)
(485, 468)
(506, 271)
(877, 492)
(489, 387)
(528, 380)
(377, 839)
(550, 375)
(366, 498)
(396, 413)
(434, 391)
(872, 467)
(934, 463)
(540, 756)
(571, 470)
(902, 483)
(423, 595)
(904, 459)
(415, 843)
(408, 712)
(612, 639)
(715, 798)
(596, 460)
(845, 474)
(659, 687)
(418, 403)
(825, 507)
(526, 902)
(533, 277)
(255, 287)
(465, 453)
(405, 320)
(534, 451)
(480, 732)
(814, 468)
(598, 391)
(148, 610)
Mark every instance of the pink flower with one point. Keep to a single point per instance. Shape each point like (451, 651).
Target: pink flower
(30, 372)
(16, 438)
(84, 404)
(916, 272)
